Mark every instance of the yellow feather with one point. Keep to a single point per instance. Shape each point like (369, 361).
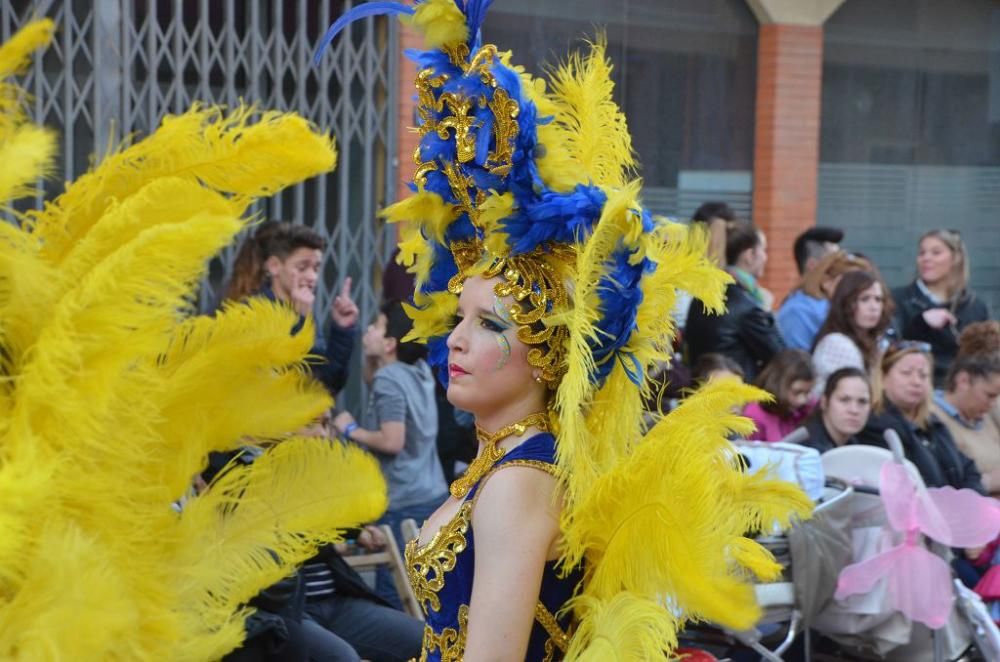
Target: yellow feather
(226, 153)
(751, 555)
(288, 491)
(31, 148)
(432, 316)
(16, 52)
(624, 628)
(441, 22)
(595, 133)
(427, 209)
(163, 201)
(494, 209)
(112, 397)
(681, 480)
(219, 374)
(578, 451)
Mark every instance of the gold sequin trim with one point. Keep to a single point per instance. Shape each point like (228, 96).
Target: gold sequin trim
(450, 642)
(437, 557)
(557, 638)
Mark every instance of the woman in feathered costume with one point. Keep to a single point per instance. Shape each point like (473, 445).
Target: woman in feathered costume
(543, 290)
(113, 394)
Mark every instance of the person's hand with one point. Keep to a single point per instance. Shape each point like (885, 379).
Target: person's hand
(344, 311)
(303, 298)
(371, 538)
(342, 420)
(938, 318)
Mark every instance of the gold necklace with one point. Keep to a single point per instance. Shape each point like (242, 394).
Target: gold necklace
(492, 452)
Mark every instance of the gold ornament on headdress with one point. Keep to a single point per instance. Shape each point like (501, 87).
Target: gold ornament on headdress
(536, 286)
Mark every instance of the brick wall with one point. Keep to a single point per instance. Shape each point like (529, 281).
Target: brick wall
(786, 142)
(407, 139)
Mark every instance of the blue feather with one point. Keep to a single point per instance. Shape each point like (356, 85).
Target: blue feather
(620, 298)
(555, 217)
(437, 182)
(475, 14)
(460, 229)
(443, 268)
(437, 358)
(485, 135)
(486, 181)
(356, 14)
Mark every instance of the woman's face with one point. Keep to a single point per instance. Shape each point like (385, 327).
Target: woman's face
(908, 382)
(296, 276)
(934, 260)
(868, 307)
(488, 370)
(846, 410)
(975, 396)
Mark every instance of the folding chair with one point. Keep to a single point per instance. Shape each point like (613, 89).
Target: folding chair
(388, 556)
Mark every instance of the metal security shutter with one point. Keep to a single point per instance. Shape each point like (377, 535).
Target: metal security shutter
(118, 66)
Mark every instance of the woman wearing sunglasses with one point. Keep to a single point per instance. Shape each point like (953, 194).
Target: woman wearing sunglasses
(904, 405)
(937, 305)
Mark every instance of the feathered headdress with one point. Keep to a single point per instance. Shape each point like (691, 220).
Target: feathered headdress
(112, 395)
(533, 183)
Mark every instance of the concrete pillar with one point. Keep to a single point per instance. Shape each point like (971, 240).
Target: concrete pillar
(787, 123)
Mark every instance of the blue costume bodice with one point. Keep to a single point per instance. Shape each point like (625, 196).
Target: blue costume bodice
(441, 575)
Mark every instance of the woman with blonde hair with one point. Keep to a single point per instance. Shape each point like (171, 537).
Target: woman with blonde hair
(904, 404)
(938, 305)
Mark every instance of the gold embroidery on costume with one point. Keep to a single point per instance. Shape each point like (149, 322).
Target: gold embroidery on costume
(450, 642)
(437, 556)
(492, 452)
(557, 638)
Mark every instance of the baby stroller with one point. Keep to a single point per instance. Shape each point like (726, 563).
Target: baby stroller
(780, 601)
(869, 624)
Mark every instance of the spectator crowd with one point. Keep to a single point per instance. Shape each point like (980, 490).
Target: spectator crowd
(843, 356)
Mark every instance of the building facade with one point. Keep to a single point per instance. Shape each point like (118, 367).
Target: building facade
(881, 117)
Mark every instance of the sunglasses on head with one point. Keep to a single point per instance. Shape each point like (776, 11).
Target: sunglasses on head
(906, 345)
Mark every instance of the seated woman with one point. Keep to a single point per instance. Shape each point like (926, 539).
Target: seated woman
(843, 410)
(860, 314)
(968, 403)
(905, 406)
(789, 377)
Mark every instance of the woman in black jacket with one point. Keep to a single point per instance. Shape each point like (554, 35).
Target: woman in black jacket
(904, 406)
(746, 331)
(936, 306)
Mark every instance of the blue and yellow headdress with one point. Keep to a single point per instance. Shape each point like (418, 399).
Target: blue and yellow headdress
(533, 182)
